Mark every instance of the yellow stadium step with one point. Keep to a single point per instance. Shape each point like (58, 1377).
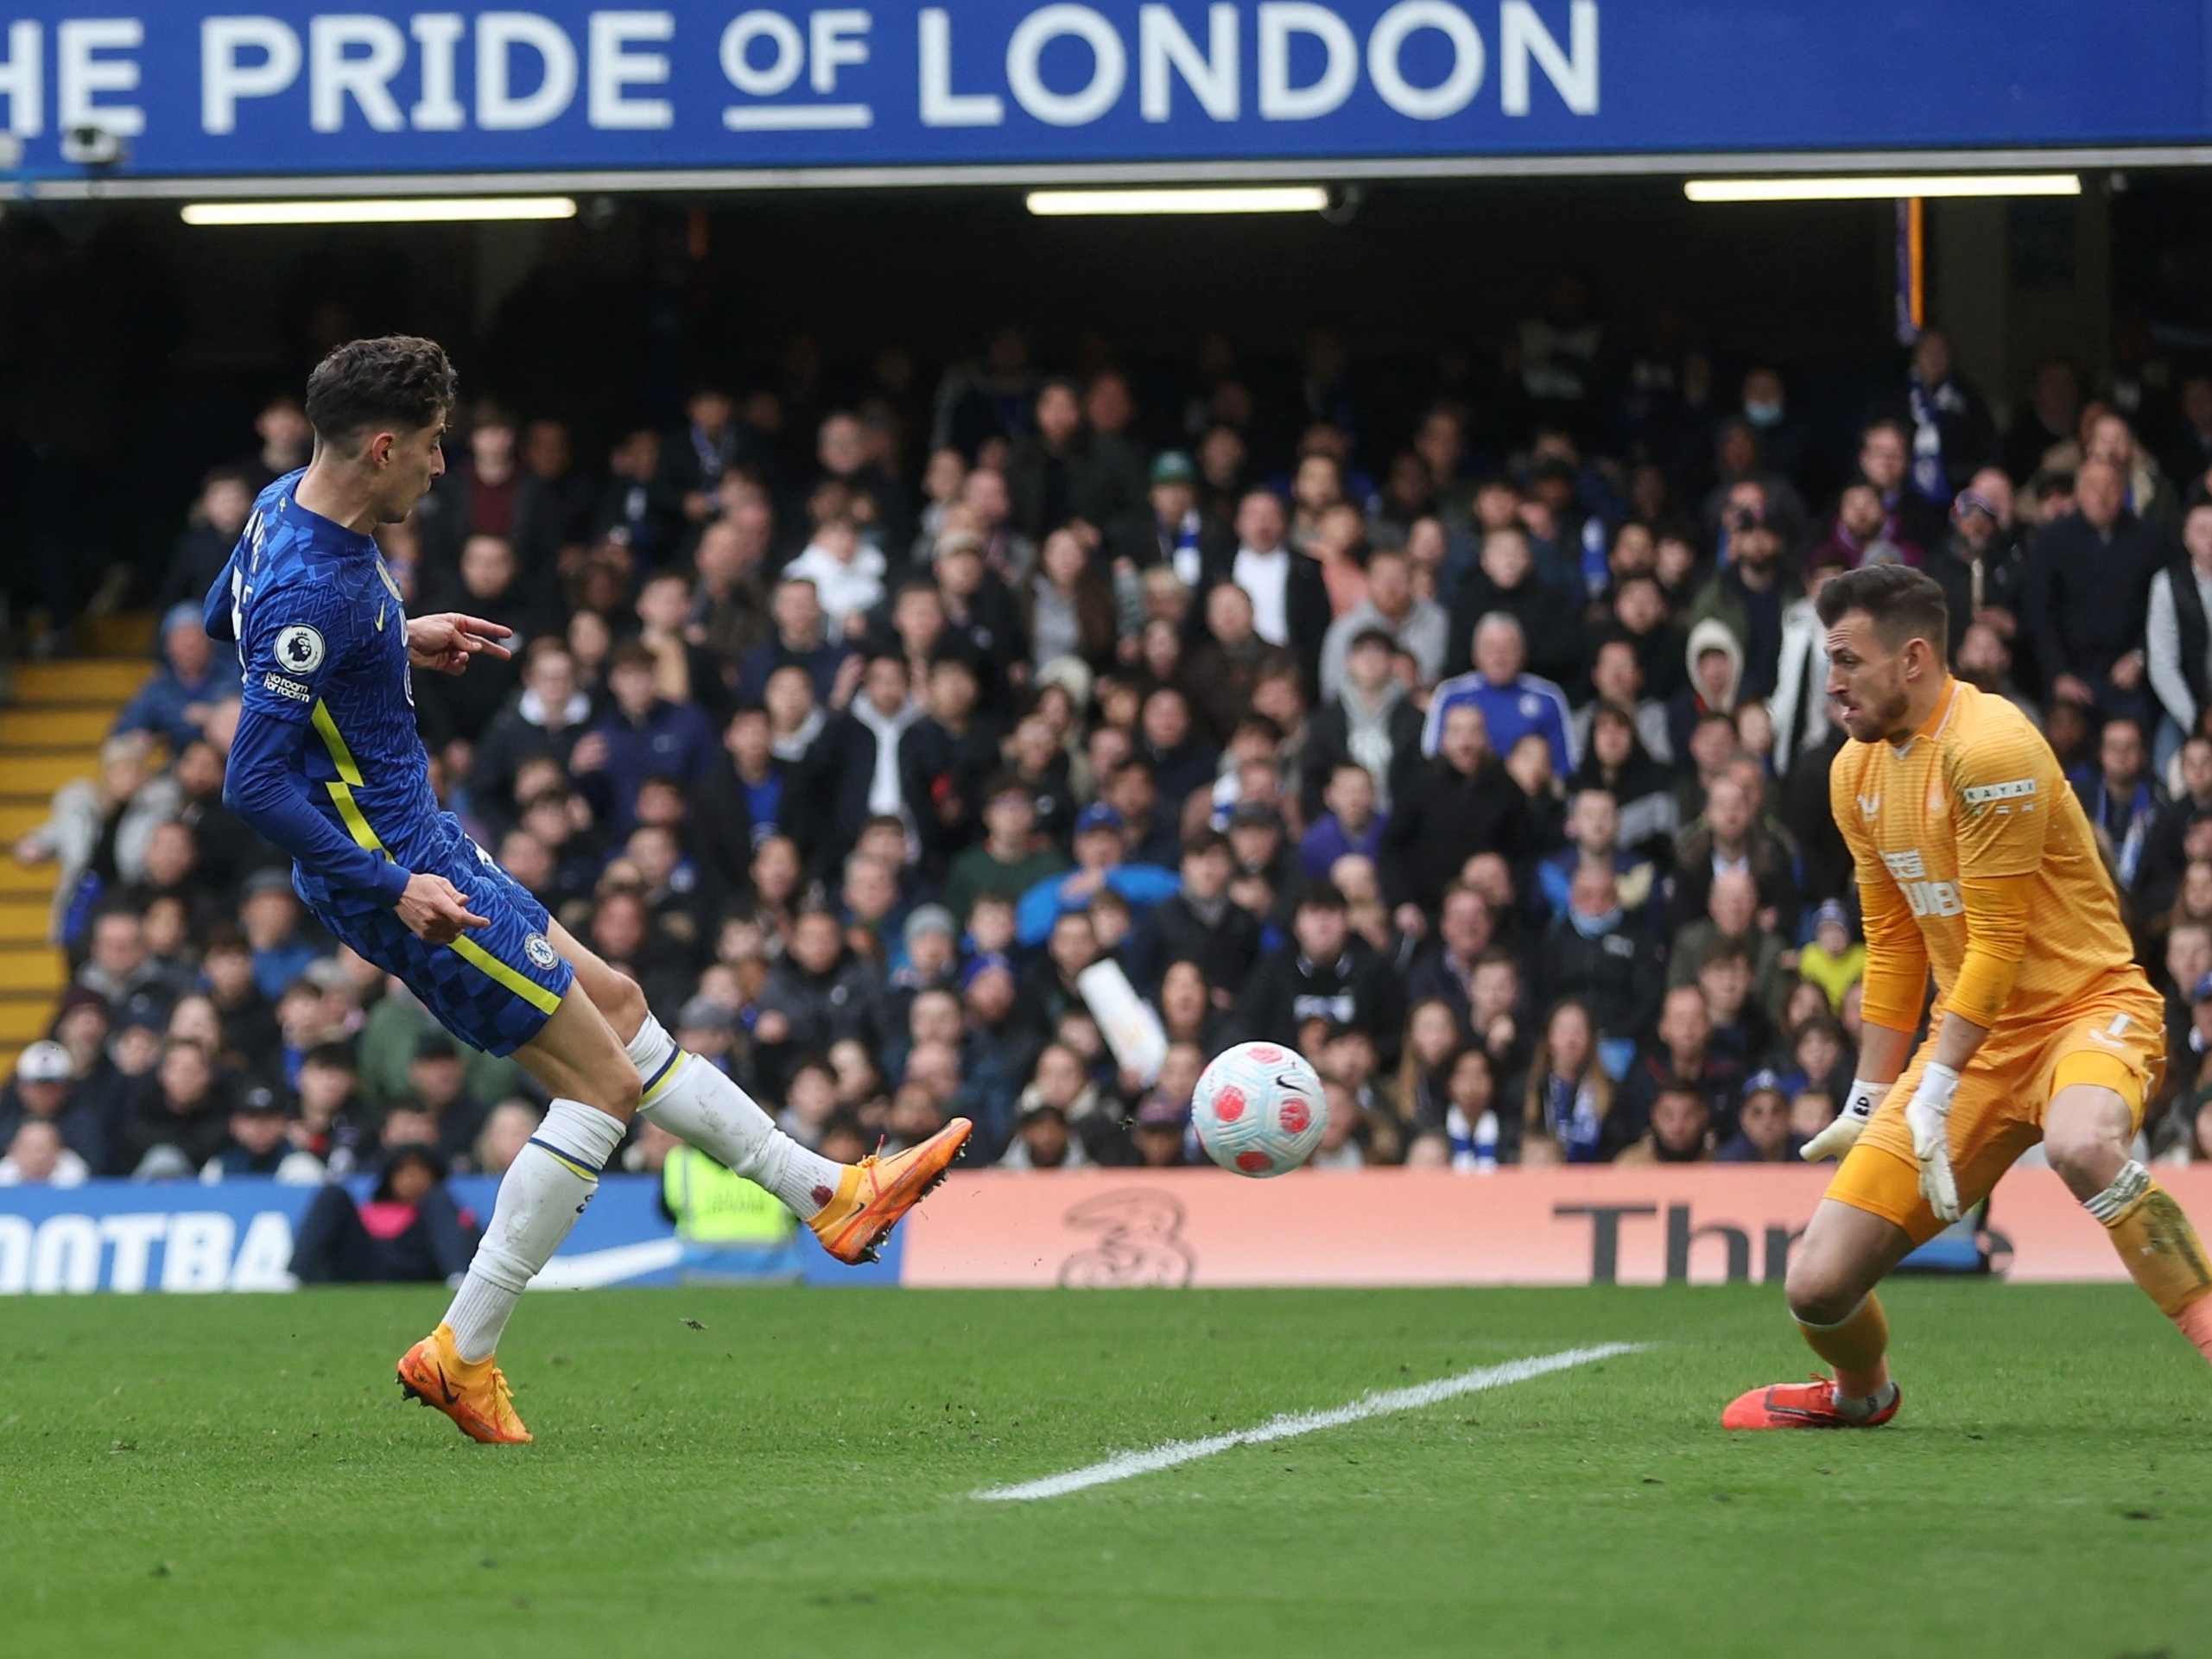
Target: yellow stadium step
(55, 728)
(24, 1019)
(36, 774)
(23, 920)
(32, 967)
(18, 818)
(19, 881)
(123, 633)
(112, 681)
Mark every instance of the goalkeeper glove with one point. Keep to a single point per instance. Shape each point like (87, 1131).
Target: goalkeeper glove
(1928, 1114)
(1839, 1136)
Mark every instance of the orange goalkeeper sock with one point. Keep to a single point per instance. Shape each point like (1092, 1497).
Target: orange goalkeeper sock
(2161, 1250)
(1856, 1345)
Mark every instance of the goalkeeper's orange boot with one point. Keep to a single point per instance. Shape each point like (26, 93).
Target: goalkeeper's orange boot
(875, 1192)
(1801, 1405)
(472, 1393)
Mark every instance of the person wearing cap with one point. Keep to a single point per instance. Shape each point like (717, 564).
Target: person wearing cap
(193, 676)
(1168, 529)
(260, 1144)
(1763, 1134)
(1012, 858)
(929, 959)
(1159, 1132)
(1981, 562)
(44, 1089)
(1834, 961)
(1098, 863)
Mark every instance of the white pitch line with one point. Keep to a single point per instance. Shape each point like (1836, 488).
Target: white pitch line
(1126, 1465)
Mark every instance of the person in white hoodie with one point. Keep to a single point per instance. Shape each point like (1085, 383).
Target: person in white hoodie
(848, 574)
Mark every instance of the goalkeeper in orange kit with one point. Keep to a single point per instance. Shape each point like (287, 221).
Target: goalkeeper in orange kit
(1974, 861)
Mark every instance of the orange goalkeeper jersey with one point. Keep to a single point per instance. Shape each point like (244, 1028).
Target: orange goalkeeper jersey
(1969, 835)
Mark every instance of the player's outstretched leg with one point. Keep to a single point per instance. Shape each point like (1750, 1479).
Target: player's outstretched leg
(1846, 1251)
(850, 1207)
(545, 1189)
(2086, 1133)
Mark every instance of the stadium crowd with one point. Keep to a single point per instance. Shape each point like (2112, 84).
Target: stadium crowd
(1474, 745)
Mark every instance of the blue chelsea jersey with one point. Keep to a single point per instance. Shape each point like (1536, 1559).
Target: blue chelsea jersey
(327, 723)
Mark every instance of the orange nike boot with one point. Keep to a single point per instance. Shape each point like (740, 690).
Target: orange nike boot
(1801, 1405)
(472, 1393)
(875, 1192)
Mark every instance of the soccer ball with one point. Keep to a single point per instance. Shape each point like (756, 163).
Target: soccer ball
(1259, 1109)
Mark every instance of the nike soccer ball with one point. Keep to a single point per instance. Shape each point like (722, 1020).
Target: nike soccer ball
(1259, 1109)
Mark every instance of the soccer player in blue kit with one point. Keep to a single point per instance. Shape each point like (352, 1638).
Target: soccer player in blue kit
(327, 764)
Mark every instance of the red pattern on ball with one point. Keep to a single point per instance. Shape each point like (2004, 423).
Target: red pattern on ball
(1266, 1055)
(1229, 1104)
(1252, 1163)
(1295, 1116)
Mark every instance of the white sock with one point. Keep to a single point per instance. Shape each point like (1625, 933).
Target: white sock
(698, 1103)
(543, 1191)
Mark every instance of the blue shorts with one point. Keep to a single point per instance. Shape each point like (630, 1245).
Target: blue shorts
(495, 986)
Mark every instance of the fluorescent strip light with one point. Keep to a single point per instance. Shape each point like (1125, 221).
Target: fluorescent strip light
(399, 210)
(1878, 189)
(1256, 199)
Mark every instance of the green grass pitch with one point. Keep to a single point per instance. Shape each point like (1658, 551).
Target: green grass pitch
(238, 1476)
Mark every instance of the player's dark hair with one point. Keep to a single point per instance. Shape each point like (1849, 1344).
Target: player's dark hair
(399, 382)
(1903, 603)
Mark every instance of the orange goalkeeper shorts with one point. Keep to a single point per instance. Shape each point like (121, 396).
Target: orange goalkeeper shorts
(2117, 1042)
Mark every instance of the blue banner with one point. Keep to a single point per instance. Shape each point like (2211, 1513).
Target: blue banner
(564, 87)
(124, 1236)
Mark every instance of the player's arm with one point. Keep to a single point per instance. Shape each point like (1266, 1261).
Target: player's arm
(2000, 803)
(264, 783)
(1896, 984)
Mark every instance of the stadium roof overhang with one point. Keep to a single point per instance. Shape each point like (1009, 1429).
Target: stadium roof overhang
(186, 100)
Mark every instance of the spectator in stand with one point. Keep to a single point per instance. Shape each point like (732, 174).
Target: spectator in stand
(547, 718)
(1198, 923)
(2086, 601)
(1763, 1131)
(44, 1090)
(176, 704)
(225, 499)
(2121, 796)
(1565, 1096)
(1351, 825)
(1505, 582)
(1594, 841)
(1289, 600)
(1680, 1131)
(1729, 837)
(643, 735)
(1323, 971)
(179, 1119)
(410, 1231)
(1009, 859)
(799, 641)
(1226, 671)
(2177, 646)
(1747, 595)
(1098, 865)
(1416, 626)
(1370, 722)
(1732, 913)
(1459, 803)
(36, 1155)
(1610, 965)
(1513, 704)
